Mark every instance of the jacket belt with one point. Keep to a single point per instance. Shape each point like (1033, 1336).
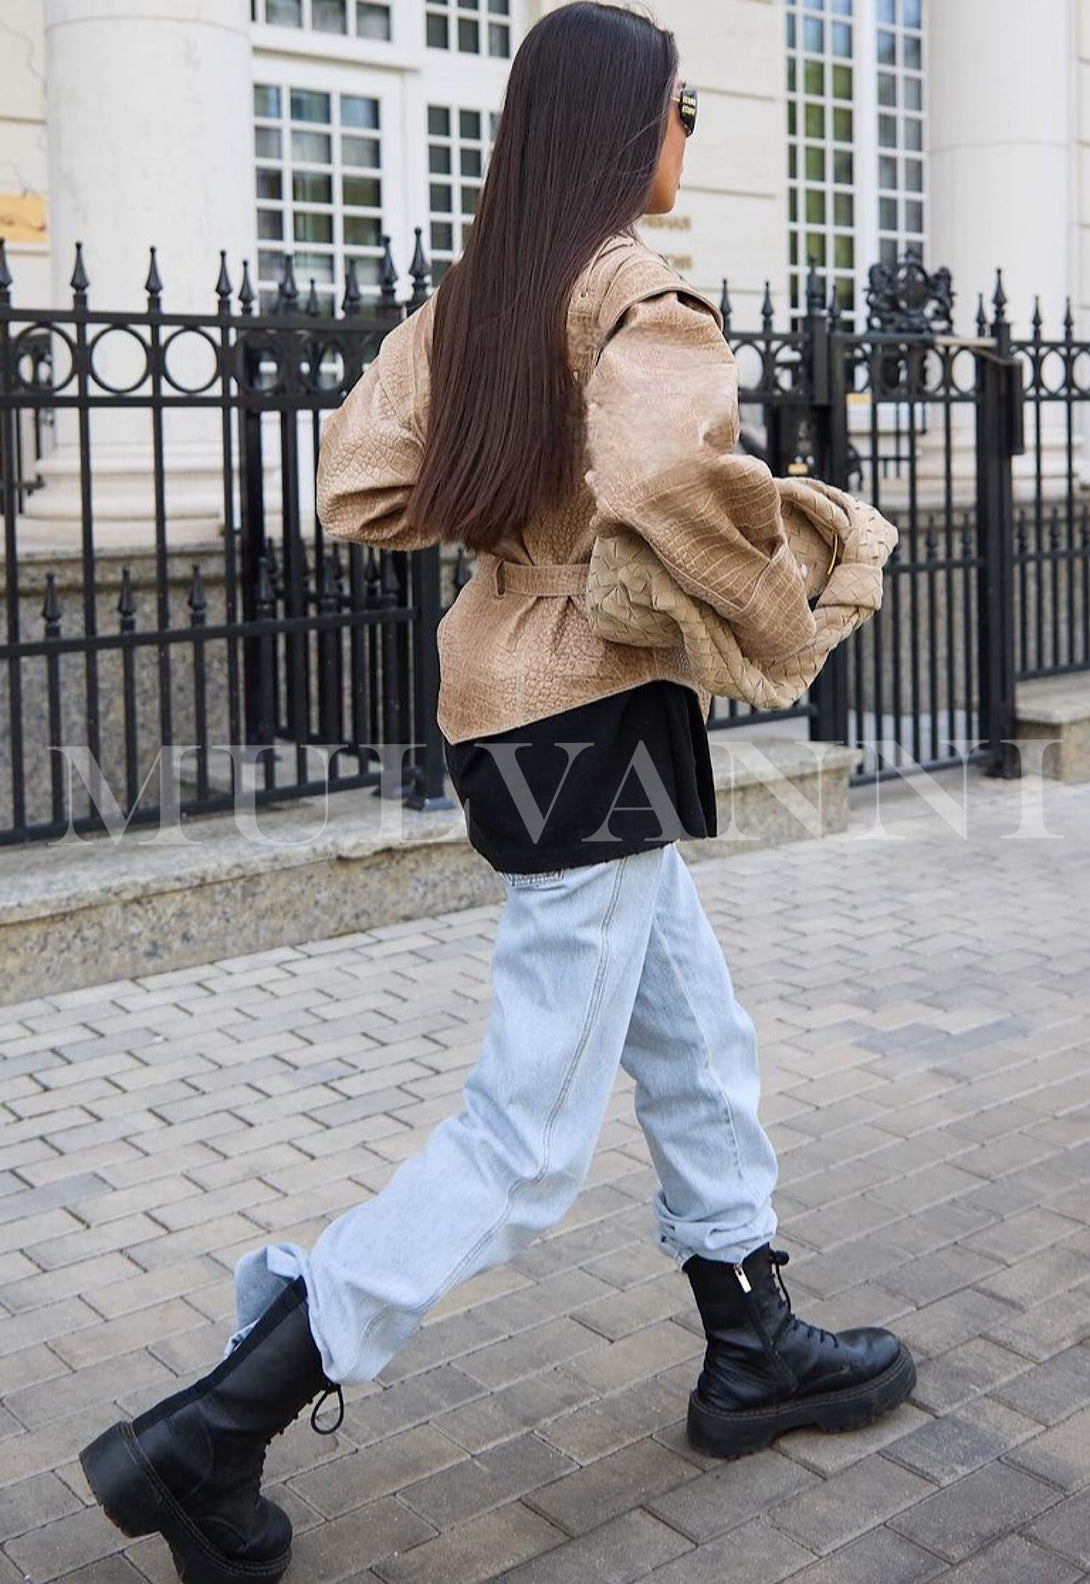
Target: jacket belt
(557, 578)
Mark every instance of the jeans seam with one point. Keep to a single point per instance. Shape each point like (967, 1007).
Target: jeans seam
(716, 1081)
(501, 1221)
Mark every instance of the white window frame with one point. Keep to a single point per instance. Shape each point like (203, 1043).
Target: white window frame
(865, 229)
(289, 72)
(259, 12)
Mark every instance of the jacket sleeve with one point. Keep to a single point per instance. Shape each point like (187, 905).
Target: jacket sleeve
(368, 462)
(662, 423)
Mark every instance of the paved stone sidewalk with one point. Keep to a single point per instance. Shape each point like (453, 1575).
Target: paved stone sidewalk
(923, 1002)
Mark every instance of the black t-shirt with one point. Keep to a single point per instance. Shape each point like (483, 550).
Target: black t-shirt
(645, 779)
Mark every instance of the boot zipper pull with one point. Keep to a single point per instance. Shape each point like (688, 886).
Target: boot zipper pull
(743, 1279)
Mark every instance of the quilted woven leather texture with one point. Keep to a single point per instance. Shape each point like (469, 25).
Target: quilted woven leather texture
(662, 420)
(632, 598)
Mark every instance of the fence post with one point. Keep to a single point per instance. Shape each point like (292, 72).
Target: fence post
(428, 789)
(827, 385)
(998, 437)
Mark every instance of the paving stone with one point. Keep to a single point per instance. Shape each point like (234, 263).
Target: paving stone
(530, 1404)
(946, 1449)
(1053, 1389)
(848, 1503)
(1066, 1529)
(1014, 1560)
(755, 1552)
(609, 1423)
(490, 1480)
(98, 1383)
(966, 1516)
(953, 1378)
(528, 1352)
(629, 1547)
(600, 1491)
(825, 1454)
(1060, 1455)
(70, 1542)
(880, 1554)
(729, 1494)
(1046, 1329)
(34, 1502)
(609, 1366)
(940, 1326)
(486, 1547)
(347, 1545)
(409, 1402)
(380, 1470)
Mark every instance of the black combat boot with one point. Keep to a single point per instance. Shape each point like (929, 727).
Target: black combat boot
(765, 1371)
(191, 1466)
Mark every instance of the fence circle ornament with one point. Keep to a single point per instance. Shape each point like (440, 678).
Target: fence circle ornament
(191, 362)
(898, 298)
(43, 358)
(112, 349)
(260, 366)
(321, 364)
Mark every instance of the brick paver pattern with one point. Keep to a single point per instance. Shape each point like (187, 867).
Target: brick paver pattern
(922, 998)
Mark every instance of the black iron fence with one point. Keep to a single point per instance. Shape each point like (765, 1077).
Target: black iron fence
(206, 630)
(260, 651)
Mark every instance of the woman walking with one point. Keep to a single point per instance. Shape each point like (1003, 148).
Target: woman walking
(561, 377)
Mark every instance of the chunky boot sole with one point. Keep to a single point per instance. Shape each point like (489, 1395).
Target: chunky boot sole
(718, 1432)
(134, 1498)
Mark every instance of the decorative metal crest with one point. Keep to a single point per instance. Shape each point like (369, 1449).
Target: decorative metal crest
(898, 298)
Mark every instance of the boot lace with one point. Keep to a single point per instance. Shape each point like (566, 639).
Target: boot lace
(332, 1390)
(779, 1258)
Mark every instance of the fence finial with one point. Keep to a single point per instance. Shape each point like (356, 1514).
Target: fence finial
(999, 298)
(1069, 322)
(154, 285)
(725, 306)
(51, 607)
(126, 602)
(313, 307)
(5, 275)
(288, 291)
(387, 274)
(1037, 322)
(834, 306)
(80, 279)
(420, 270)
(195, 599)
(981, 316)
(815, 296)
(353, 297)
(767, 310)
(223, 284)
(246, 290)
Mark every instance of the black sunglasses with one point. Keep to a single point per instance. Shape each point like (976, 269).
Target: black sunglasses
(685, 99)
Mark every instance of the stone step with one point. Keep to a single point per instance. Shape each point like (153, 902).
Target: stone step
(79, 912)
(1054, 712)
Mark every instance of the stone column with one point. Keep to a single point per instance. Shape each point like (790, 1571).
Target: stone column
(150, 143)
(999, 127)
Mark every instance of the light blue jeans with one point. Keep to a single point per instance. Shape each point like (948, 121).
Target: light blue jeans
(611, 963)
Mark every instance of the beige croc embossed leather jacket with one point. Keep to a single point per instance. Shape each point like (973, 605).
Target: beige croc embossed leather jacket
(685, 533)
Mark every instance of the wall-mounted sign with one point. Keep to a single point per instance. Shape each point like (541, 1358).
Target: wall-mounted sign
(668, 222)
(22, 217)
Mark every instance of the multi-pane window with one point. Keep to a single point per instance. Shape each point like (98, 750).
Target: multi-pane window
(365, 19)
(458, 145)
(475, 27)
(821, 132)
(855, 106)
(319, 189)
(899, 52)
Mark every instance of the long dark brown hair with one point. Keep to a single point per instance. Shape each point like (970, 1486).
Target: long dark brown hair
(582, 125)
